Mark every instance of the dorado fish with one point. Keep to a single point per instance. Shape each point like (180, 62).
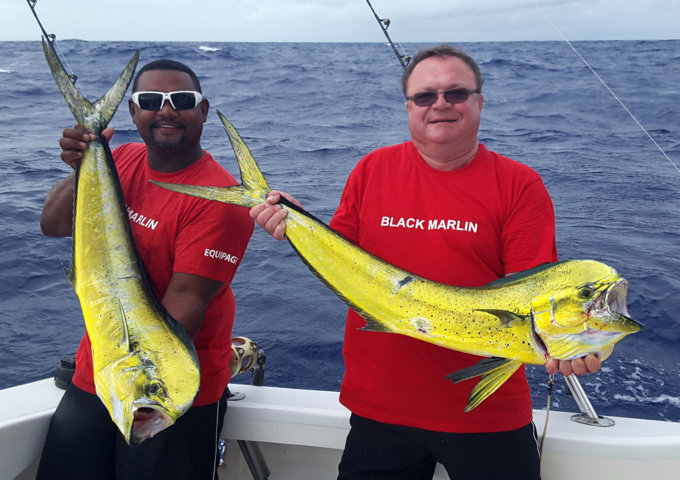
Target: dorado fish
(563, 310)
(146, 369)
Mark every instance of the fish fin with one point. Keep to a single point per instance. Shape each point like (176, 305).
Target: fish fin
(79, 105)
(253, 188)
(70, 272)
(494, 371)
(506, 317)
(125, 339)
(251, 175)
(236, 195)
(523, 274)
(482, 367)
(604, 354)
(372, 325)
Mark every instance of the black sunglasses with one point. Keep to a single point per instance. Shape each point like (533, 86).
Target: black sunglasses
(181, 100)
(456, 95)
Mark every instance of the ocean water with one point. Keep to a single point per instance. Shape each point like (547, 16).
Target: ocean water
(309, 112)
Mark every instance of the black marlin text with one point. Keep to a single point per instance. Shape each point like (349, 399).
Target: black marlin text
(432, 224)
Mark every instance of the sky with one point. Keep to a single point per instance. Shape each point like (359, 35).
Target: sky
(342, 20)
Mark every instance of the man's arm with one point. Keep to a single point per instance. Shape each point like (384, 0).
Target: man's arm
(187, 299)
(56, 219)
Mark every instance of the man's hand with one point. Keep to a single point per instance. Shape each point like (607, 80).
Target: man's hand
(74, 140)
(579, 366)
(271, 216)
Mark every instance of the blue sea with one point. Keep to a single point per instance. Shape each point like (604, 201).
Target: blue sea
(309, 112)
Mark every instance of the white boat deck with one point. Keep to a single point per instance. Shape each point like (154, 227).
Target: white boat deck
(301, 434)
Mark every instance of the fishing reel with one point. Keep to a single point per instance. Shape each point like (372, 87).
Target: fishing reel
(246, 356)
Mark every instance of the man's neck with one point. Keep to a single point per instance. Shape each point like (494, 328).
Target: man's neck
(166, 162)
(445, 158)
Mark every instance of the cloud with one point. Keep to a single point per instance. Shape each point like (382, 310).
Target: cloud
(343, 20)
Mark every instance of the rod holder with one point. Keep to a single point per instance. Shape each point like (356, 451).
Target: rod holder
(588, 416)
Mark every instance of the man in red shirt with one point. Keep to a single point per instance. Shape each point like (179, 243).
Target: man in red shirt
(191, 249)
(446, 208)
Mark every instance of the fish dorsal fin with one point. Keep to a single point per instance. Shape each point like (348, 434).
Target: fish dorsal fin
(125, 338)
(506, 317)
(494, 371)
(523, 274)
(372, 325)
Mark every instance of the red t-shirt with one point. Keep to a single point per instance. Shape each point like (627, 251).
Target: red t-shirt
(464, 227)
(179, 233)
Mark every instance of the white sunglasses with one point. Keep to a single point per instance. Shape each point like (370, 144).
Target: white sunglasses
(180, 100)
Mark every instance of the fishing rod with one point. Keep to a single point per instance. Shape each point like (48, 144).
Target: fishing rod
(50, 38)
(384, 23)
(604, 84)
(588, 415)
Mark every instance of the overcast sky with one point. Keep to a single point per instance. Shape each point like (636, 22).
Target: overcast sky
(342, 20)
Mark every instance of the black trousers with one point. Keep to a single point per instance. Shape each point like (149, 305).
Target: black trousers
(84, 443)
(378, 451)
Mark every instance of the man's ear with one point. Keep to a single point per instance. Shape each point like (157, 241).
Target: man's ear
(132, 108)
(205, 108)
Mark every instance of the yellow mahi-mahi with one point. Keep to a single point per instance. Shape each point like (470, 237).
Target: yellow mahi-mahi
(563, 310)
(146, 369)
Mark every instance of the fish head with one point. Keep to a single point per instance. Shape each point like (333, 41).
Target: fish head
(138, 399)
(584, 312)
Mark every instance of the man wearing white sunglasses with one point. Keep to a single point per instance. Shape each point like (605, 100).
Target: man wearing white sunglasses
(174, 235)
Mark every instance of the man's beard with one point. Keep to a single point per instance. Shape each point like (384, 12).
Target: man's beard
(168, 145)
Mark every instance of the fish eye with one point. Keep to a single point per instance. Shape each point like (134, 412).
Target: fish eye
(153, 388)
(586, 293)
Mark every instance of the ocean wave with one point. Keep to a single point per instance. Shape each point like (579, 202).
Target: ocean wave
(309, 112)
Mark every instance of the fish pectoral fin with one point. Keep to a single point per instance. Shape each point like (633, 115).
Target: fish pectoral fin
(480, 368)
(494, 371)
(604, 354)
(125, 339)
(70, 271)
(506, 317)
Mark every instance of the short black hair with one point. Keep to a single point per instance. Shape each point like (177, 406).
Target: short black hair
(441, 51)
(166, 64)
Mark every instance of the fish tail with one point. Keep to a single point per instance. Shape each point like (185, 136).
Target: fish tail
(95, 116)
(81, 107)
(494, 371)
(251, 175)
(253, 188)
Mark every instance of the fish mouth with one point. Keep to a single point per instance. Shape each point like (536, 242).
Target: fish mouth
(147, 422)
(616, 296)
(613, 304)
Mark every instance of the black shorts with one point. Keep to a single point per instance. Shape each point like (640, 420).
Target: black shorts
(84, 443)
(378, 451)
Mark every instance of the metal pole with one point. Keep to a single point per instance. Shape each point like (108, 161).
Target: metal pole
(588, 416)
